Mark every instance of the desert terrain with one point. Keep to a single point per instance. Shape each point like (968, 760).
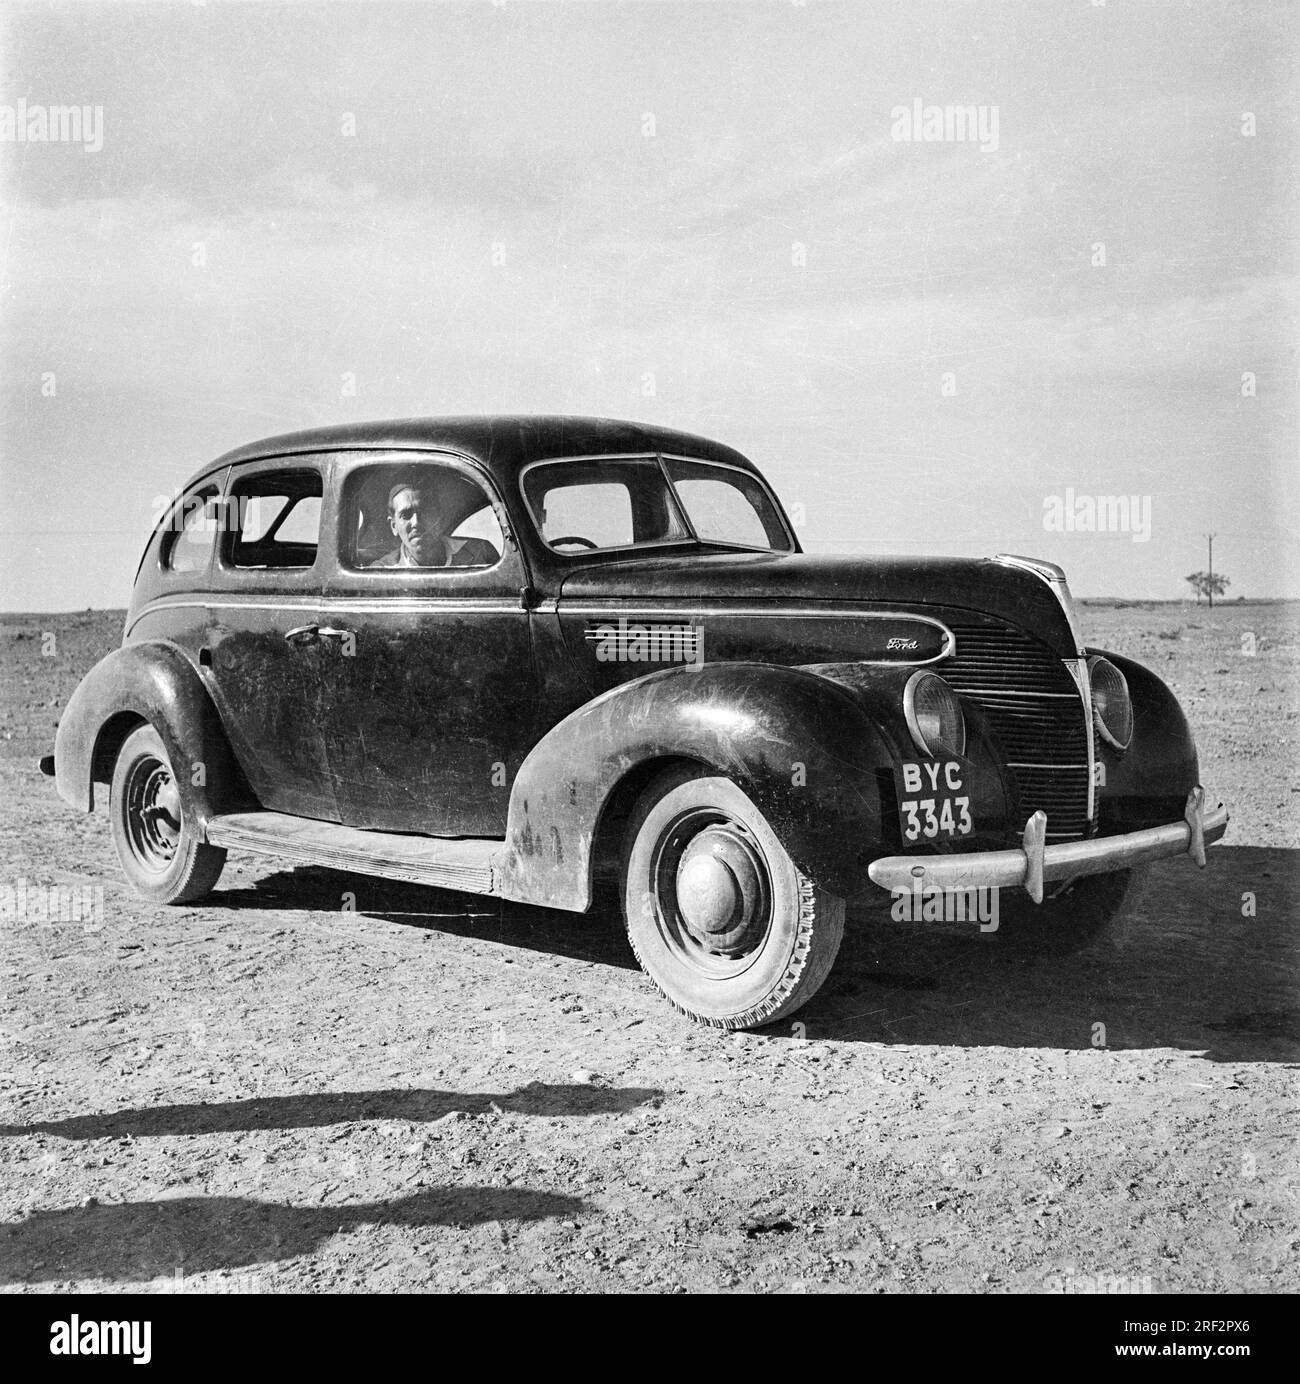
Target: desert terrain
(271, 1092)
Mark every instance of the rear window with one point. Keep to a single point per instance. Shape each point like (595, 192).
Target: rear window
(191, 527)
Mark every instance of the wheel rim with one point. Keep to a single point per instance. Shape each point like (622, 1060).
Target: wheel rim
(711, 892)
(152, 810)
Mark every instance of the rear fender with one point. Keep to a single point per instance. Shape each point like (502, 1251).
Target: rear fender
(150, 682)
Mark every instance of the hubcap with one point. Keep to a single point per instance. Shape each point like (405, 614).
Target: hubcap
(711, 891)
(720, 890)
(153, 814)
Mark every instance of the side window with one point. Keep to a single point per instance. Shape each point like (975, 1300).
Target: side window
(273, 520)
(187, 544)
(598, 511)
(418, 514)
(601, 502)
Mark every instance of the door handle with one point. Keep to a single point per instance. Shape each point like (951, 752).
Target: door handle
(330, 632)
(301, 634)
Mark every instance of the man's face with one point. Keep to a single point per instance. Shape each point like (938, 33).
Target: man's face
(414, 522)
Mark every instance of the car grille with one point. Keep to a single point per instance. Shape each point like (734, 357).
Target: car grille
(1036, 711)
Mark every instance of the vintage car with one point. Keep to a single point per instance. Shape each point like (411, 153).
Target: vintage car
(519, 655)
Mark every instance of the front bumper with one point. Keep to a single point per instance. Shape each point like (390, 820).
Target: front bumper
(1035, 862)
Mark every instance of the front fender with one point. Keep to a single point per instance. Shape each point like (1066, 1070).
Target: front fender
(153, 681)
(802, 747)
(993, 798)
(1148, 784)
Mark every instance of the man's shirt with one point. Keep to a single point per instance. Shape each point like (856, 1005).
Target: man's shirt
(457, 552)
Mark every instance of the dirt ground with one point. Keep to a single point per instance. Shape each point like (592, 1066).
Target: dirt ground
(270, 1092)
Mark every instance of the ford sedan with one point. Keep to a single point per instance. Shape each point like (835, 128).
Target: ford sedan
(514, 655)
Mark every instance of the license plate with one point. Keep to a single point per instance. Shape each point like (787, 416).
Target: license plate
(932, 803)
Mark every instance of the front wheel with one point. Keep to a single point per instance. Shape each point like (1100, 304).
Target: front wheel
(159, 847)
(719, 916)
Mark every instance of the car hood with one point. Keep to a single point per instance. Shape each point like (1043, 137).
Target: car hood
(992, 587)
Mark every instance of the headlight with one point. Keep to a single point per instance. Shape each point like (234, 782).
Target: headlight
(1112, 707)
(934, 716)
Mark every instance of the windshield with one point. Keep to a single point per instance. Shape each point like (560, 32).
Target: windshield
(599, 503)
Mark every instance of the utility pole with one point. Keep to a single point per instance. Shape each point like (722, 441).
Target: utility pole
(1210, 583)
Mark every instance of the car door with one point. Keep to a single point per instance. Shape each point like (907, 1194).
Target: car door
(268, 641)
(430, 695)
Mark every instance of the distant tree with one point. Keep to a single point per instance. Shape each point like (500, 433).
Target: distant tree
(1216, 585)
(1209, 585)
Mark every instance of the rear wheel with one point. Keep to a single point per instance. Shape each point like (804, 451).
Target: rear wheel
(719, 916)
(159, 847)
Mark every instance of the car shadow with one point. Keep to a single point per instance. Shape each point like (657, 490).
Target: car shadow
(596, 936)
(141, 1240)
(1204, 961)
(340, 1107)
(1189, 965)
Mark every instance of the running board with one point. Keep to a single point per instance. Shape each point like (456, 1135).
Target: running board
(433, 860)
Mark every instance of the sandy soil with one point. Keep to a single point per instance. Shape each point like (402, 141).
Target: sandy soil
(270, 1093)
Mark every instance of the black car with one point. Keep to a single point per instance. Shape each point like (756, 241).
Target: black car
(504, 654)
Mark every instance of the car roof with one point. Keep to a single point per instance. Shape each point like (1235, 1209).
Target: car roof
(502, 443)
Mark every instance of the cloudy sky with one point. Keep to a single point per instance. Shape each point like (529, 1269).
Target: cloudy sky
(696, 214)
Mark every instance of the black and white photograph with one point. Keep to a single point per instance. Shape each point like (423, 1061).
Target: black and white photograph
(649, 649)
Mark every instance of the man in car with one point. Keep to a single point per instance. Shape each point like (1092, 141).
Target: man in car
(414, 522)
